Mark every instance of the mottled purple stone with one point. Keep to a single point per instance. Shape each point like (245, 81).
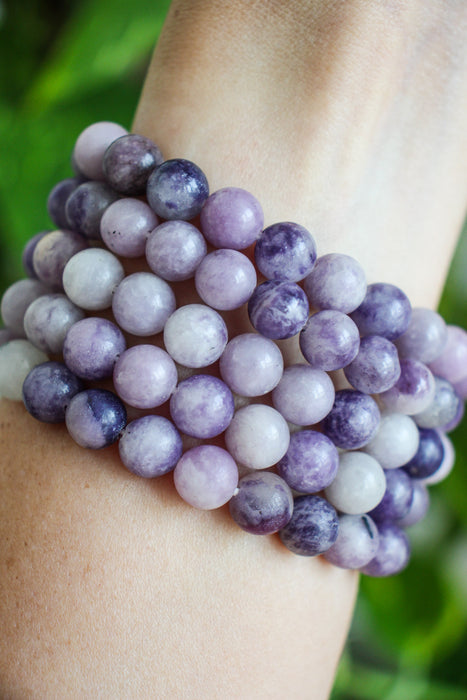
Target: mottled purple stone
(418, 507)
(329, 340)
(310, 463)
(126, 225)
(425, 336)
(142, 303)
(304, 395)
(86, 205)
(177, 189)
(57, 200)
(414, 390)
(16, 300)
(95, 418)
(206, 477)
(393, 552)
(251, 365)
(446, 465)
(92, 346)
(174, 250)
(225, 279)
(48, 389)
(356, 544)
(52, 253)
(313, 527)
(384, 311)
(278, 309)
(128, 162)
(397, 497)
(353, 420)
(48, 319)
(428, 457)
(376, 368)
(262, 503)
(202, 406)
(232, 218)
(456, 419)
(446, 407)
(145, 376)
(285, 251)
(28, 253)
(336, 282)
(452, 363)
(150, 446)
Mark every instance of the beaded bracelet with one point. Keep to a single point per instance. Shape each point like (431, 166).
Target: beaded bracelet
(335, 472)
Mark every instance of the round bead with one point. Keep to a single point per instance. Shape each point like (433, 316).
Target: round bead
(95, 418)
(145, 376)
(150, 446)
(336, 282)
(195, 335)
(28, 254)
(278, 309)
(258, 436)
(16, 300)
(92, 346)
(393, 552)
(48, 319)
(447, 463)
(232, 218)
(86, 205)
(206, 477)
(304, 395)
(356, 544)
(174, 250)
(376, 367)
(413, 391)
(142, 303)
(425, 336)
(384, 311)
(17, 358)
(397, 497)
(419, 505)
(313, 527)
(329, 340)
(91, 144)
(457, 418)
(262, 504)
(310, 463)
(251, 365)
(48, 389)
(285, 251)
(90, 278)
(126, 225)
(428, 457)
(57, 200)
(225, 279)
(6, 335)
(443, 408)
(353, 420)
(359, 485)
(53, 252)
(452, 363)
(202, 406)
(461, 388)
(395, 442)
(129, 161)
(177, 189)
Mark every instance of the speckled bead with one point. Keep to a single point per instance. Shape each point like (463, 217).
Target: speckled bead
(310, 463)
(150, 446)
(313, 527)
(262, 504)
(285, 251)
(278, 309)
(353, 419)
(384, 311)
(48, 390)
(177, 189)
(195, 335)
(329, 340)
(128, 163)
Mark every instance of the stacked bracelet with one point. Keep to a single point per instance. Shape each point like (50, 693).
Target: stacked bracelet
(335, 472)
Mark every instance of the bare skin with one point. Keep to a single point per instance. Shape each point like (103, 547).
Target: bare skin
(345, 117)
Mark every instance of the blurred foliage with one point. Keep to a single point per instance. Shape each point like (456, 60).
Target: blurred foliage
(65, 64)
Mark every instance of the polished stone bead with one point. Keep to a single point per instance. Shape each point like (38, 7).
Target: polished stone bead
(202, 406)
(128, 162)
(57, 200)
(278, 309)
(336, 282)
(177, 189)
(353, 419)
(195, 335)
(285, 251)
(91, 145)
(91, 277)
(232, 218)
(150, 446)
(393, 552)
(86, 205)
(384, 311)
(92, 347)
(95, 418)
(359, 484)
(356, 544)
(262, 503)
(206, 477)
(48, 319)
(376, 367)
(251, 365)
(329, 340)
(304, 395)
(395, 442)
(225, 279)
(258, 436)
(174, 250)
(428, 457)
(414, 390)
(451, 364)
(48, 390)
(397, 497)
(17, 358)
(16, 300)
(313, 527)
(142, 304)
(28, 253)
(145, 376)
(310, 463)
(425, 337)
(126, 225)
(53, 252)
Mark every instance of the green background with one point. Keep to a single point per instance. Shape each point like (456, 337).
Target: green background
(65, 64)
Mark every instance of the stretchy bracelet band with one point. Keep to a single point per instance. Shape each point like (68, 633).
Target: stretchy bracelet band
(335, 472)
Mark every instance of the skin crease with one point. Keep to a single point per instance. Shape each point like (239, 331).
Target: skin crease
(344, 117)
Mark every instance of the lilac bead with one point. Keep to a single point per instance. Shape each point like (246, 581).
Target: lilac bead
(397, 497)
(48, 389)
(456, 419)
(48, 319)
(414, 390)
(310, 463)
(145, 376)
(95, 418)
(6, 335)
(17, 358)
(353, 419)
(428, 457)
(425, 336)
(86, 205)
(376, 367)
(336, 282)
(57, 200)
(359, 484)
(461, 388)
(419, 505)
(53, 252)
(126, 225)
(384, 311)
(443, 408)
(329, 340)
(262, 504)
(177, 189)
(206, 477)
(395, 442)
(225, 279)
(91, 146)
(313, 527)
(174, 250)
(128, 162)
(285, 251)
(195, 335)
(92, 346)
(304, 395)
(258, 436)
(251, 365)
(202, 406)
(356, 544)
(150, 446)
(393, 552)
(16, 300)
(447, 463)
(142, 303)
(28, 253)
(452, 363)
(232, 218)
(278, 309)
(90, 278)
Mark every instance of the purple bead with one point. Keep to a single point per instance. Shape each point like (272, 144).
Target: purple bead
(356, 544)
(313, 527)
(329, 340)
(86, 205)
(150, 446)
(232, 218)
(48, 389)
(251, 365)
(92, 346)
(452, 363)
(425, 336)
(128, 162)
(206, 477)
(446, 465)
(278, 309)
(6, 335)
(262, 504)
(177, 189)
(384, 311)
(16, 300)
(428, 457)
(397, 497)
(376, 368)
(28, 253)
(52, 253)
(414, 390)
(57, 199)
(174, 250)
(202, 406)
(393, 552)
(418, 507)
(91, 146)
(48, 319)
(142, 303)
(336, 282)
(461, 388)
(95, 418)
(126, 225)
(285, 251)
(353, 420)
(304, 395)
(195, 335)
(225, 279)
(456, 419)
(145, 376)
(445, 407)
(311, 462)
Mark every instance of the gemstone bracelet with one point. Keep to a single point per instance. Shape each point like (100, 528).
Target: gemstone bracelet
(335, 472)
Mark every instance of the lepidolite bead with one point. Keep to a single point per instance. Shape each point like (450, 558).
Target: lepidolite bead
(313, 527)
(425, 336)
(128, 162)
(329, 340)
(385, 311)
(336, 282)
(86, 205)
(251, 365)
(126, 225)
(258, 436)
(419, 505)
(446, 465)
(397, 497)
(195, 335)
(356, 544)
(393, 552)
(232, 218)
(90, 278)
(28, 253)
(174, 250)
(428, 457)
(17, 358)
(206, 477)
(48, 389)
(177, 189)
(285, 251)
(359, 484)
(17, 299)
(353, 419)
(376, 367)
(144, 376)
(225, 279)
(48, 319)
(142, 303)
(91, 145)
(92, 347)
(310, 463)
(443, 408)
(57, 199)
(202, 406)
(278, 309)
(150, 446)
(262, 503)
(304, 395)
(95, 418)
(452, 362)
(395, 442)
(414, 390)
(53, 252)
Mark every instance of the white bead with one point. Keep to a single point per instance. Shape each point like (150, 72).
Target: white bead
(396, 441)
(17, 358)
(258, 436)
(195, 335)
(90, 277)
(359, 485)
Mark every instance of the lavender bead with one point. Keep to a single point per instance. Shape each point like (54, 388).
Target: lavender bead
(446, 465)
(257, 436)
(142, 303)
(356, 544)
(28, 253)
(452, 363)
(414, 390)
(428, 457)
(313, 527)
(91, 145)
(443, 408)
(225, 279)
(376, 367)
(150, 446)
(285, 251)
(48, 319)
(16, 300)
(57, 200)
(128, 162)
(202, 406)
(48, 389)
(278, 309)
(53, 252)
(92, 346)
(145, 376)
(329, 340)
(6, 335)
(461, 388)
(384, 311)
(90, 278)
(174, 250)
(419, 505)
(304, 395)
(95, 418)
(425, 336)
(86, 205)
(359, 484)
(397, 497)
(353, 420)
(310, 463)
(395, 442)
(251, 365)
(206, 477)
(177, 189)
(195, 335)
(262, 504)
(232, 218)
(126, 225)
(393, 552)
(17, 358)
(456, 419)
(336, 282)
